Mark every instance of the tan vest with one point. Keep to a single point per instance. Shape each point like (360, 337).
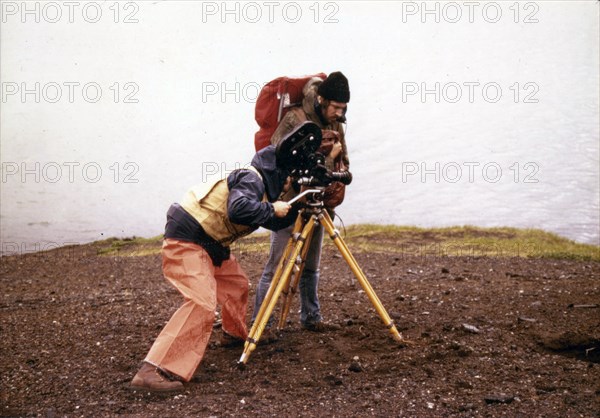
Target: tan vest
(207, 203)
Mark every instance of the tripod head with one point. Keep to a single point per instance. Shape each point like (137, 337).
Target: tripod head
(315, 196)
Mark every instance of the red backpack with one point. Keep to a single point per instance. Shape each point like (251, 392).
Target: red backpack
(274, 101)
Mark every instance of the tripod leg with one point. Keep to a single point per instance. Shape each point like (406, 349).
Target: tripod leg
(326, 221)
(275, 279)
(293, 285)
(258, 327)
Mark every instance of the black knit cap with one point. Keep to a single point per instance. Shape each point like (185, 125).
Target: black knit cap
(335, 87)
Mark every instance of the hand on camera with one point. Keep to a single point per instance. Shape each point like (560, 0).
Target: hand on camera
(335, 150)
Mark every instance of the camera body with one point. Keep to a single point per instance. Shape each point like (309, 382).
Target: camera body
(298, 153)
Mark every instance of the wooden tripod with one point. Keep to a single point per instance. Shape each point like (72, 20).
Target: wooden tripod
(293, 261)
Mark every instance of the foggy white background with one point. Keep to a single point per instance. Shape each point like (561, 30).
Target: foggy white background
(517, 91)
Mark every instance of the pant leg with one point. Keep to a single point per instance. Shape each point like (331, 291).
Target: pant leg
(232, 295)
(309, 282)
(181, 344)
(279, 241)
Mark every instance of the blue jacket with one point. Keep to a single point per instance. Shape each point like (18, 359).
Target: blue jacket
(245, 205)
(246, 191)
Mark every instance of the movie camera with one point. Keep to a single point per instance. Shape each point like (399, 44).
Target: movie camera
(300, 153)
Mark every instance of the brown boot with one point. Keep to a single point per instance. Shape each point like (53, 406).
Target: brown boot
(320, 326)
(228, 341)
(151, 379)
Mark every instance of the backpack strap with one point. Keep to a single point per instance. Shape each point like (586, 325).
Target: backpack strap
(299, 113)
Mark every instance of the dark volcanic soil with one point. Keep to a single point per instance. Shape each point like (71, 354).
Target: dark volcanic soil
(494, 337)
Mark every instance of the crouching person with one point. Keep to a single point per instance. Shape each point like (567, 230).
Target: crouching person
(196, 260)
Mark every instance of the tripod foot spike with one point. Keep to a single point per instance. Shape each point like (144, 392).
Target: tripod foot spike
(243, 359)
(248, 348)
(406, 344)
(403, 343)
(397, 336)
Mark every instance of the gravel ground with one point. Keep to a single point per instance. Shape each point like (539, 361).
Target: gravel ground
(493, 337)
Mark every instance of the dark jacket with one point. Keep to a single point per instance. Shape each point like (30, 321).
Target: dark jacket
(245, 205)
(246, 191)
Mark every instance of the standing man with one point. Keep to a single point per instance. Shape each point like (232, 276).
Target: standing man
(325, 104)
(196, 260)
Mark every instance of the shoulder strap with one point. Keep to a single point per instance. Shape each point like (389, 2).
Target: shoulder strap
(299, 113)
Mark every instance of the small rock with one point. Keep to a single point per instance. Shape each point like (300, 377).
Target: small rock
(499, 398)
(470, 328)
(544, 389)
(355, 367)
(396, 315)
(464, 385)
(445, 270)
(465, 352)
(466, 407)
(525, 319)
(333, 380)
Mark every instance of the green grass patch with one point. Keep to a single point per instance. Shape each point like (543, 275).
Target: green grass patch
(466, 241)
(129, 247)
(406, 240)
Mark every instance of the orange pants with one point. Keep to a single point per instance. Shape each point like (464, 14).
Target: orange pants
(181, 344)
